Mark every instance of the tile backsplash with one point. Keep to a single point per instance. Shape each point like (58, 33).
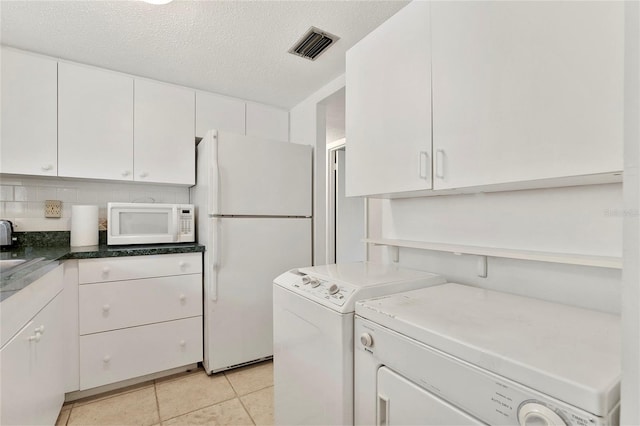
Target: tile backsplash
(22, 199)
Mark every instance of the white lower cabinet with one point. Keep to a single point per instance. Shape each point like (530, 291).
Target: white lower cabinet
(143, 316)
(32, 379)
(131, 352)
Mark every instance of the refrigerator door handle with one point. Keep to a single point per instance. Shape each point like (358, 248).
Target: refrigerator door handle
(214, 258)
(214, 177)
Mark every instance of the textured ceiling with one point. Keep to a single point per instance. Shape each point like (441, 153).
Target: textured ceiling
(237, 48)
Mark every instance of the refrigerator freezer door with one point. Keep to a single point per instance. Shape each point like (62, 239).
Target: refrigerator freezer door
(252, 252)
(260, 178)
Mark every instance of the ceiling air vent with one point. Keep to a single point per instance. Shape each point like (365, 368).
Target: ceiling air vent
(313, 43)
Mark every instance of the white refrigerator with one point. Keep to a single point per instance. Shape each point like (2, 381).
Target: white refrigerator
(253, 214)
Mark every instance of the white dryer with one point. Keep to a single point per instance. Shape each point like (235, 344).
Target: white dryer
(458, 355)
(313, 310)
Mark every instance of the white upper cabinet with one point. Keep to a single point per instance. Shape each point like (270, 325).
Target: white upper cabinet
(95, 123)
(388, 106)
(267, 122)
(219, 112)
(525, 90)
(28, 143)
(164, 133)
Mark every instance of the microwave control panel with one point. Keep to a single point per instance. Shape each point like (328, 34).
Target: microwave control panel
(186, 219)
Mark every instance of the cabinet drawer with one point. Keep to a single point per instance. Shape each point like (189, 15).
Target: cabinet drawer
(118, 355)
(135, 267)
(120, 304)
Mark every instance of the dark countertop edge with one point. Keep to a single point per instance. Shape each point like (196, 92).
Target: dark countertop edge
(96, 252)
(20, 283)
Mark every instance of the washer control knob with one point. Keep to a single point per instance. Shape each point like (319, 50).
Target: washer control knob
(366, 340)
(536, 414)
(333, 289)
(306, 279)
(314, 282)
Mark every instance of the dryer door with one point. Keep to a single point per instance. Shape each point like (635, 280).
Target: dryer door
(402, 402)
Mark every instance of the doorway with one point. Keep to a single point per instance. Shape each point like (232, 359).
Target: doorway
(346, 215)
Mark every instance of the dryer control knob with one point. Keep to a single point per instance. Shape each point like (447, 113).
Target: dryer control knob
(366, 340)
(534, 413)
(333, 289)
(314, 282)
(306, 279)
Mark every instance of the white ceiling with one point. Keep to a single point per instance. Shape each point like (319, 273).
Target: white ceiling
(236, 48)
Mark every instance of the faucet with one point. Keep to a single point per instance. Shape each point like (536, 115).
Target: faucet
(6, 231)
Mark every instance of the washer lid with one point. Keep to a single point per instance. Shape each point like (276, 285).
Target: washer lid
(569, 353)
(365, 274)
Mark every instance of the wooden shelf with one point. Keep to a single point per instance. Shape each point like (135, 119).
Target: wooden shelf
(539, 256)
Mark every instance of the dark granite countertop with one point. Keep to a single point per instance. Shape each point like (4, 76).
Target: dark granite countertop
(43, 251)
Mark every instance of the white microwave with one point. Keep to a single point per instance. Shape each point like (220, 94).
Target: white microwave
(146, 223)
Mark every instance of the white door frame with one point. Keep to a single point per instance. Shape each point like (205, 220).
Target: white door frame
(332, 149)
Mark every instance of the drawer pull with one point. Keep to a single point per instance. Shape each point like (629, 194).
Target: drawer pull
(106, 307)
(39, 329)
(183, 343)
(106, 359)
(105, 270)
(183, 297)
(36, 337)
(182, 264)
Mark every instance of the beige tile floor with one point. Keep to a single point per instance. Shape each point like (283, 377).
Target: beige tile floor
(242, 396)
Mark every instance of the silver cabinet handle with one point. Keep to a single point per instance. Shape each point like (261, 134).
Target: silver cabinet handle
(440, 164)
(424, 165)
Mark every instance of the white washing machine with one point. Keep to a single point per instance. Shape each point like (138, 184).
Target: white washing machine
(313, 310)
(458, 355)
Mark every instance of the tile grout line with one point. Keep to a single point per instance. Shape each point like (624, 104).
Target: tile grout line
(155, 392)
(69, 416)
(247, 411)
(230, 384)
(239, 399)
(206, 406)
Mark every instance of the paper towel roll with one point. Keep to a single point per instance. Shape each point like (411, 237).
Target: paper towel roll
(84, 226)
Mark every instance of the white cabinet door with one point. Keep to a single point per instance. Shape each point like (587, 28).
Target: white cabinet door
(526, 90)
(267, 122)
(28, 144)
(95, 123)
(164, 133)
(32, 375)
(388, 106)
(220, 113)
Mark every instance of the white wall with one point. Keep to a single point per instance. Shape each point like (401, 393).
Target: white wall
(307, 122)
(583, 219)
(631, 275)
(22, 198)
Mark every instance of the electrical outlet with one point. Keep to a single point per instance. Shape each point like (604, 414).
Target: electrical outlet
(53, 208)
